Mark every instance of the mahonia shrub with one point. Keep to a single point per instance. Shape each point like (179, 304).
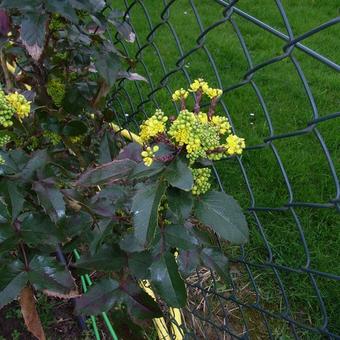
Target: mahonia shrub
(161, 192)
(145, 212)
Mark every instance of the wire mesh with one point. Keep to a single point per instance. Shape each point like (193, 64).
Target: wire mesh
(280, 95)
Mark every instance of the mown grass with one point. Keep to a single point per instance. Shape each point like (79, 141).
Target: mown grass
(299, 238)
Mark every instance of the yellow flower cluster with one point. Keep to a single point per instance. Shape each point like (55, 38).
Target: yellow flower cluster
(6, 111)
(148, 155)
(53, 137)
(213, 93)
(179, 94)
(56, 89)
(4, 139)
(200, 135)
(222, 124)
(200, 84)
(20, 104)
(76, 139)
(234, 145)
(153, 126)
(181, 128)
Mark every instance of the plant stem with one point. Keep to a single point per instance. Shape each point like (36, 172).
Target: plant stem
(16, 226)
(212, 107)
(8, 80)
(198, 99)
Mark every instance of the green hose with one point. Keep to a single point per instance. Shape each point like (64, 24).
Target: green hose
(86, 281)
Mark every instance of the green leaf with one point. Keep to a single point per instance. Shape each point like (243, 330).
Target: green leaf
(46, 274)
(33, 32)
(141, 171)
(188, 261)
(17, 199)
(224, 215)
(145, 206)
(107, 201)
(64, 8)
(102, 230)
(214, 259)
(13, 194)
(75, 128)
(108, 66)
(139, 264)
(106, 259)
(177, 236)
(131, 244)
(28, 5)
(50, 198)
(180, 204)
(131, 151)
(99, 298)
(140, 304)
(15, 160)
(12, 279)
(167, 281)
(38, 229)
(108, 149)
(75, 225)
(4, 213)
(107, 172)
(122, 27)
(89, 5)
(6, 231)
(179, 175)
(10, 243)
(37, 162)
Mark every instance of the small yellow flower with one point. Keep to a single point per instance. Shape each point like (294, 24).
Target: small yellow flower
(199, 84)
(148, 154)
(179, 94)
(153, 126)
(76, 139)
(148, 161)
(213, 93)
(235, 145)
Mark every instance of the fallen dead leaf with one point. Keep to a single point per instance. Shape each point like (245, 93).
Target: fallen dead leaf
(30, 314)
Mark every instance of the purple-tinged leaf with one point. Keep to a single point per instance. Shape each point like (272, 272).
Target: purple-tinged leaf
(4, 23)
(33, 33)
(50, 198)
(105, 173)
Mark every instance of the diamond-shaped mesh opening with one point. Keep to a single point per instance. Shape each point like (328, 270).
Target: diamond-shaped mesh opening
(276, 62)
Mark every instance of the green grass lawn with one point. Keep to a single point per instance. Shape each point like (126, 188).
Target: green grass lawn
(302, 157)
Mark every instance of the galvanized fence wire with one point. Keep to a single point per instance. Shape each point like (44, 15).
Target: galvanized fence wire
(130, 108)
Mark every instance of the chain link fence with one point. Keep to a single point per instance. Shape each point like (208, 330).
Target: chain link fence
(276, 63)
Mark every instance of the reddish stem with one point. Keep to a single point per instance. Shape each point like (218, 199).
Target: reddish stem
(198, 99)
(217, 150)
(183, 107)
(212, 107)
